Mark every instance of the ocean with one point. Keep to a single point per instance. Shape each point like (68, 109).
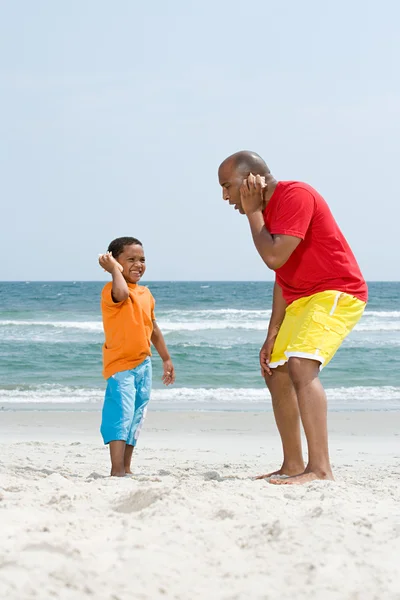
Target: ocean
(51, 337)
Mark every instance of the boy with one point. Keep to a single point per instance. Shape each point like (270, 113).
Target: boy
(129, 327)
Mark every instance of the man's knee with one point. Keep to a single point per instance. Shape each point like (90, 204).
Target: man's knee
(279, 378)
(302, 370)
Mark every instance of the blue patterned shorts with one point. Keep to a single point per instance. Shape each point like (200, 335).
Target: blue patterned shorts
(125, 404)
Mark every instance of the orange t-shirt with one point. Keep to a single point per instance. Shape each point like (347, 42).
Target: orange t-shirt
(128, 327)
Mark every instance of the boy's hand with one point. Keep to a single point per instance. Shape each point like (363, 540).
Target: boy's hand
(108, 262)
(169, 372)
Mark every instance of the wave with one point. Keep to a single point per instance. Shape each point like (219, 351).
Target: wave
(391, 326)
(49, 394)
(382, 313)
(243, 395)
(208, 314)
(169, 327)
(253, 313)
(86, 325)
(215, 319)
(217, 312)
(350, 398)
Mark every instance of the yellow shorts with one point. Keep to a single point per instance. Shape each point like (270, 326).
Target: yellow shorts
(314, 327)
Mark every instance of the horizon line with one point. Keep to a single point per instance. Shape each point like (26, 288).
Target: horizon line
(169, 281)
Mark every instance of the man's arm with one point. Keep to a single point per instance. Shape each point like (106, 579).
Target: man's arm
(290, 225)
(157, 339)
(275, 250)
(279, 306)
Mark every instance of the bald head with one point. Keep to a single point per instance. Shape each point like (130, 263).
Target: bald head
(244, 163)
(234, 169)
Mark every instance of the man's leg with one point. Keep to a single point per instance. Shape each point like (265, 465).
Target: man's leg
(287, 417)
(304, 374)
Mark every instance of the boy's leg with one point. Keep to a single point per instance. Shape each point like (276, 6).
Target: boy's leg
(117, 452)
(143, 376)
(117, 416)
(128, 458)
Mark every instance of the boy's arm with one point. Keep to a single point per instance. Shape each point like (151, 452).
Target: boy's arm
(120, 290)
(279, 306)
(157, 339)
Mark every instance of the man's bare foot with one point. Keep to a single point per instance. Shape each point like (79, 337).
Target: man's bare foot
(117, 473)
(285, 470)
(305, 477)
(128, 471)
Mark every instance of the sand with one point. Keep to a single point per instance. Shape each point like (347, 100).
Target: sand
(192, 523)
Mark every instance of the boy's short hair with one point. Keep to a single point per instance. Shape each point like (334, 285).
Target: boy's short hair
(116, 247)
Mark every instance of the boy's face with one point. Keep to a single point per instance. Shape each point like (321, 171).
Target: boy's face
(133, 263)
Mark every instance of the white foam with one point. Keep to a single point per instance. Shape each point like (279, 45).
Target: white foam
(49, 394)
(216, 319)
(217, 312)
(377, 326)
(170, 326)
(86, 325)
(382, 313)
(348, 397)
(243, 395)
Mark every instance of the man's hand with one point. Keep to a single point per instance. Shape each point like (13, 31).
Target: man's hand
(265, 356)
(252, 193)
(169, 372)
(108, 262)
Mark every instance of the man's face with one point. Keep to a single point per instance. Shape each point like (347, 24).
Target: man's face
(133, 263)
(231, 181)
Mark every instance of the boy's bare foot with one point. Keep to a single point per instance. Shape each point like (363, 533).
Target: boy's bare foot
(305, 477)
(117, 473)
(128, 458)
(288, 470)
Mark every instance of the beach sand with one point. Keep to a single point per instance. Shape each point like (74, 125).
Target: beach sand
(192, 523)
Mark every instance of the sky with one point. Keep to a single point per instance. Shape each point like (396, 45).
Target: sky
(114, 117)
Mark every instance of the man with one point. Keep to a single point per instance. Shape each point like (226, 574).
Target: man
(319, 296)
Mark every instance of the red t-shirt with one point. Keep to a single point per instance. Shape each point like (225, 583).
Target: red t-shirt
(323, 260)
